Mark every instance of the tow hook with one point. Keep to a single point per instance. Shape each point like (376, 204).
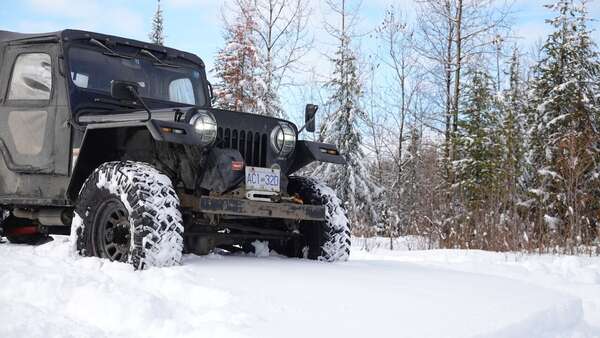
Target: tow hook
(293, 199)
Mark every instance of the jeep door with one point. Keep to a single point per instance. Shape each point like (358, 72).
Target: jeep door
(34, 128)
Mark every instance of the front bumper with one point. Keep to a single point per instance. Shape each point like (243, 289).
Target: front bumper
(247, 208)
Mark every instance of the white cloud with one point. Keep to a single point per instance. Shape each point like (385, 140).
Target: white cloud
(96, 15)
(529, 33)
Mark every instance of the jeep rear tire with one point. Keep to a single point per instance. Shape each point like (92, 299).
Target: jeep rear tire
(129, 212)
(327, 240)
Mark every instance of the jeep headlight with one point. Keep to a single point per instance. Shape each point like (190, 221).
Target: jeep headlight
(283, 139)
(205, 125)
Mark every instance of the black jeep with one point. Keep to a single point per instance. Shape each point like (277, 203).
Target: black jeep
(115, 142)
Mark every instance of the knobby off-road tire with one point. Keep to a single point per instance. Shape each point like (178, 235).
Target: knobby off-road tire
(327, 240)
(129, 212)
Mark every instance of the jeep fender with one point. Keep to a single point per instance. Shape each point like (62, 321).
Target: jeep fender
(105, 142)
(308, 152)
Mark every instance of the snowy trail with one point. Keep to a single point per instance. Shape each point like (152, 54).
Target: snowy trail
(47, 292)
(576, 276)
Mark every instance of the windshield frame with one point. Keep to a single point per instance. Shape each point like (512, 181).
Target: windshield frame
(87, 97)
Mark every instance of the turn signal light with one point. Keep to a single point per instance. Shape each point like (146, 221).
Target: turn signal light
(329, 151)
(172, 130)
(237, 165)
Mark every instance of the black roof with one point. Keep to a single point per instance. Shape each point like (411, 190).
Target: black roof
(12, 36)
(70, 34)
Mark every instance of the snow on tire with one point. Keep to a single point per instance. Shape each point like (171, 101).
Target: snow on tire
(327, 240)
(129, 212)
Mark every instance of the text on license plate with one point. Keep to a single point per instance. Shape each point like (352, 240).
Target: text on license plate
(262, 179)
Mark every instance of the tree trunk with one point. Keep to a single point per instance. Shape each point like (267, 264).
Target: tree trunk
(458, 62)
(448, 75)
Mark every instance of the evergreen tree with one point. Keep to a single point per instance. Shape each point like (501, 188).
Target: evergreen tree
(269, 101)
(157, 35)
(565, 116)
(478, 170)
(237, 67)
(513, 130)
(410, 182)
(351, 181)
(512, 187)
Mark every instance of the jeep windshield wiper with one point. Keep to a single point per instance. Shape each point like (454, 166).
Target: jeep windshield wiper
(109, 52)
(158, 62)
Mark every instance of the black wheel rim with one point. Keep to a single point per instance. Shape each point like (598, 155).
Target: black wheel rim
(113, 231)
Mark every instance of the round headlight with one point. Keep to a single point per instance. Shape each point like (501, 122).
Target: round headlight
(206, 126)
(283, 139)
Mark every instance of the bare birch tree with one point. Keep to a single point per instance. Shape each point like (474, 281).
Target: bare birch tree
(455, 33)
(436, 33)
(282, 40)
(403, 81)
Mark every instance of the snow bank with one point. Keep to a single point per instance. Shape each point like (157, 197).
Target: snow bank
(47, 292)
(404, 243)
(578, 276)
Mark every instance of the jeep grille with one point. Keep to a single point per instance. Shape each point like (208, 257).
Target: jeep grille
(252, 145)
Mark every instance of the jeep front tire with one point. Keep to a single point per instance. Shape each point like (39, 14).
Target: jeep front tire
(327, 240)
(129, 212)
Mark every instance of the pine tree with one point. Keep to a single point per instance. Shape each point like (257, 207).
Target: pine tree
(410, 182)
(269, 101)
(351, 181)
(513, 129)
(237, 67)
(566, 113)
(478, 169)
(477, 165)
(157, 35)
(511, 197)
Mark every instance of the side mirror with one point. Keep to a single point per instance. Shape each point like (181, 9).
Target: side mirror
(211, 92)
(309, 117)
(124, 90)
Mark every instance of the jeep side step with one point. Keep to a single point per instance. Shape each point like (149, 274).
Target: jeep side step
(243, 207)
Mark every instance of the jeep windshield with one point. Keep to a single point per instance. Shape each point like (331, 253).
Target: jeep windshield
(93, 71)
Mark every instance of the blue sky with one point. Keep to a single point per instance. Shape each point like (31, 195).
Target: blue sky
(196, 26)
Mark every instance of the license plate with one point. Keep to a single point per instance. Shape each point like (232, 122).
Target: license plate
(262, 179)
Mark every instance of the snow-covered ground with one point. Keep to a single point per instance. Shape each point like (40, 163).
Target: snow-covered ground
(46, 291)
